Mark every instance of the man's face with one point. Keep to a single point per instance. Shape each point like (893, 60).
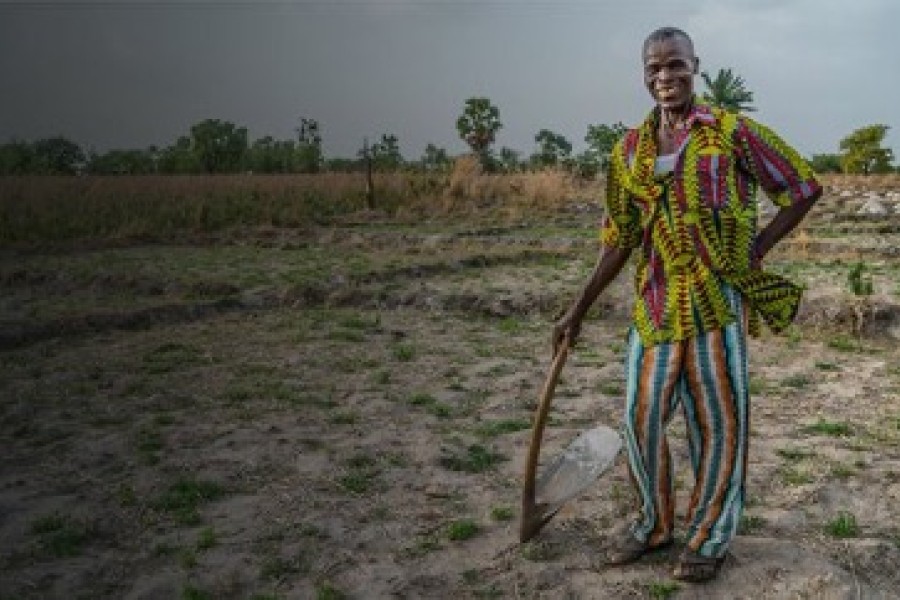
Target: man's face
(669, 67)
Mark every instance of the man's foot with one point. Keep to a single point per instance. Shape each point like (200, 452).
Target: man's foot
(629, 549)
(696, 568)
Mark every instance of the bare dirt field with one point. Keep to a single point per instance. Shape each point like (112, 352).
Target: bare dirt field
(343, 412)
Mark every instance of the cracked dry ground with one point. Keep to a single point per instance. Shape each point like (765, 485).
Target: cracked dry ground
(344, 414)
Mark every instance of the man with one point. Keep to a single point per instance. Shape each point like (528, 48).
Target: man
(681, 191)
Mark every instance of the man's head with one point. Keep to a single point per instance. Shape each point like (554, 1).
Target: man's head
(669, 68)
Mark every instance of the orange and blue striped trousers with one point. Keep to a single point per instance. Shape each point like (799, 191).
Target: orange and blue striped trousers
(707, 376)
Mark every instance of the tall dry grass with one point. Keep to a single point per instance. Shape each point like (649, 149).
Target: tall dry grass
(45, 209)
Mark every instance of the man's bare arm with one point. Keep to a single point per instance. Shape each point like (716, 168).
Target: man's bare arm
(609, 265)
(782, 224)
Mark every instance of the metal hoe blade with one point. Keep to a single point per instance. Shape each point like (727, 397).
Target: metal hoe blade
(569, 473)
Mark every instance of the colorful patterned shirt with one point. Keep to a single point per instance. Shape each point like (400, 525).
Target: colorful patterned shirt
(696, 226)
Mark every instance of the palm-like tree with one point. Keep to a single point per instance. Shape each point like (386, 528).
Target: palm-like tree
(727, 91)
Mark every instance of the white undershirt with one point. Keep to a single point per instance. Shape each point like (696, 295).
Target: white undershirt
(665, 163)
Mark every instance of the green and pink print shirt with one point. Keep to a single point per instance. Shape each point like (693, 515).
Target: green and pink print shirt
(695, 226)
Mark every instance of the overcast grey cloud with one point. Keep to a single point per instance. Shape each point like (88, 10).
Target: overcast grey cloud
(132, 73)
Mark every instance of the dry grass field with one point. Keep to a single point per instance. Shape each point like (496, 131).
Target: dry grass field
(257, 387)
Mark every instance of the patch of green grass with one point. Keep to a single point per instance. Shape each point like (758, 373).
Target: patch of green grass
(474, 459)
(827, 366)
(794, 454)
(189, 592)
(60, 536)
(611, 389)
(750, 524)
(326, 591)
(404, 352)
(798, 381)
(756, 386)
(510, 325)
(346, 335)
(832, 428)
(502, 513)
(793, 476)
(431, 404)
(660, 590)
(843, 526)
(358, 481)
(279, 567)
(842, 471)
(346, 417)
(462, 529)
(539, 551)
(207, 538)
(844, 343)
(382, 376)
(183, 499)
(495, 428)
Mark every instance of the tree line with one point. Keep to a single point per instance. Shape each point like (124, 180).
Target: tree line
(217, 146)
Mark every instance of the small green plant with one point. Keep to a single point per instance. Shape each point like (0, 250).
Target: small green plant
(207, 538)
(189, 592)
(827, 366)
(794, 454)
(843, 343)
(793, 476)
(462, 529)
(502, 513)
(404, 352)
(183, 499)
(538, 551)
(495, 428)
(859, 280)
(660, 590)
(832, 428)
(345, 417)
(326, 591)
(475, 459)
(843, 526)
(750, 524)
(59, 535)
(611, 389)
(796, 381)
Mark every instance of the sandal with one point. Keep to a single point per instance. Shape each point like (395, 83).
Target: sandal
(629, 549)
(696, 568)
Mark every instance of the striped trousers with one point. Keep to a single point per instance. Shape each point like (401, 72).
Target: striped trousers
(707, 375)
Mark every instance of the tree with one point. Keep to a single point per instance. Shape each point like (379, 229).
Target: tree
(309, 149)
(727, 91)
(385, 153)
(553, 149)
(122, 162)
(826, 163)
(510, 160)
(478, 125)
(219, 146)
(434, 159)
(600, 140)
(16, 158)
(862, 151)
(179, 158)
(56, 156)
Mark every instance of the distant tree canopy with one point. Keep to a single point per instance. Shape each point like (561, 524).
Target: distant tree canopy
(478, 126)
(727, 90)
(48, 156)
(601, 139)
(553, 149)
(826, 163)
(862, 152)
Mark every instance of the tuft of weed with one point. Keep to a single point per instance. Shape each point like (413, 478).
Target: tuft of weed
(474, 459)
(462, 529)
(750, 524)
(832, 428)
(794, 454)
(496, 428)
(843, 526)
(404, 352)
(60, 536)
(502, 513)
(799, 381)
(183, 499)
(660, 590)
